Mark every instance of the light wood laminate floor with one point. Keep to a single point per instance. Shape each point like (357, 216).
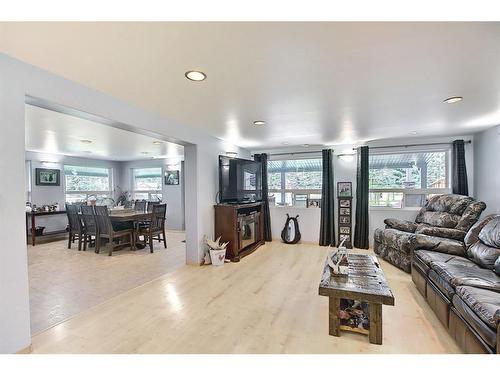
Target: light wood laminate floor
(66, 282)
(267, 303)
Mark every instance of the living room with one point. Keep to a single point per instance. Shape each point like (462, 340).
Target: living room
(339, 192)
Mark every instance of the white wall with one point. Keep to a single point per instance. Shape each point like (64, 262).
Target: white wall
(487, 160)
(18, 80)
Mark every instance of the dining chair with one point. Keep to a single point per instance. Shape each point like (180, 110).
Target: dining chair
(76, 227)
(156, 227)
(90, 224)
(140, 205)
(111, 232)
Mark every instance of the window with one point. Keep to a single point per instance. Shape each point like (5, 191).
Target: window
(147, 183)
(407, 179)
(294, 182)
(87, 183)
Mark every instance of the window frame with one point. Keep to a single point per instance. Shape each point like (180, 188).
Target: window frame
(150, 192)
(413, 191)
(294, 192)
(89, 193)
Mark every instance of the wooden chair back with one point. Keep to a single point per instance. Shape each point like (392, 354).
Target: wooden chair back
(140, 206)
(103, 220)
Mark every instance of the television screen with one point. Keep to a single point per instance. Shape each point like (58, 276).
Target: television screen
(240, 180)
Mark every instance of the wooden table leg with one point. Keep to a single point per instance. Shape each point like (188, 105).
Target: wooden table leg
(333, 316)
(33, 230)
(375, 323)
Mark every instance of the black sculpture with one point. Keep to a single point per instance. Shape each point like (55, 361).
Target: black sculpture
(291, 233)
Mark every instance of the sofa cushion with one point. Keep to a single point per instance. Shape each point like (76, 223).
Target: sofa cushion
(470, 216)
(438, 219)
(451, 233)
(477, 324)
(483, 255)
(472, 235)
(443, 285)
(452, 203)
(439, 244)
(497, 266)
(485, 303)
(423, 258)
(403, 225)
(490, 234)
(469, 274)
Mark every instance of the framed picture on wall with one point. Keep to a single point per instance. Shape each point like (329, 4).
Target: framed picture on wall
(344, 189)
(345, 230)
(171, 177)
(345, 219)
(345, 203)
(345, 237)
(345, 211)
(47, 177)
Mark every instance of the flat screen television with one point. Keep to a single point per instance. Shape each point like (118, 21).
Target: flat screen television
(240, 180)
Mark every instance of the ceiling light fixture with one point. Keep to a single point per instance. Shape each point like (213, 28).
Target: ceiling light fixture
(157, 142)
(195, 75)
(231, 154)
(259, 123)
(306, 145)
(414, 132)
(285, 143)
(86, 141)
(453, 99)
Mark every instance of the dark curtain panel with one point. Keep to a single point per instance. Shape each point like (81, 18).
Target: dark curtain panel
(361, 240)
(327, 227)
(459, 176)
(267, 216)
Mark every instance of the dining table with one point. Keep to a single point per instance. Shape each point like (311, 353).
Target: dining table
(135, 217)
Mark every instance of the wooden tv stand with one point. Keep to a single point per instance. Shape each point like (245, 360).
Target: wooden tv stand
(242, 226)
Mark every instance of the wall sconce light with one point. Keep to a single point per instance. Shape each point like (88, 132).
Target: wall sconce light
(231, 154)
(346, 157)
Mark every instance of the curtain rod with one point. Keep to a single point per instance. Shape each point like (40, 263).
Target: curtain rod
(413, 145)
(295, 153)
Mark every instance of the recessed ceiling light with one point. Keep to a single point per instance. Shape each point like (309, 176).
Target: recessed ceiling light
(144, 152)
(157, 142)
(414, 132)
(285, 143)
(259, 123)
(231, 154)
(195, 75)
(87, 141)
(453, 99)
(305, 145)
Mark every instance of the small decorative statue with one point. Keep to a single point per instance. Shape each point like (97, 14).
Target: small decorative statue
(291, 233)
(338, 260)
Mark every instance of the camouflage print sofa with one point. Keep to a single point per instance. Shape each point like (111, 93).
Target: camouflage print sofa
(440, 226)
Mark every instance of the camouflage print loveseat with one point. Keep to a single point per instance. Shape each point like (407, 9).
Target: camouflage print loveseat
(440, 226)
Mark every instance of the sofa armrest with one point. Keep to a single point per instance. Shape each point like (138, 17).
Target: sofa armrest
(403, 225)
(453, 234)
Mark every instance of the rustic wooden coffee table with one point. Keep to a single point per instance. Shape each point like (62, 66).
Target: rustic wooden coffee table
(365, 282)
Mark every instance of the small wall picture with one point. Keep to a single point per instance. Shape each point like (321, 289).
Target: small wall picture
(171, 177)
(314, 203)
(345, 203)
(345, 211)
(345, 230)
(344, 189)
(345, 237)
(47, 177)
(345, 219)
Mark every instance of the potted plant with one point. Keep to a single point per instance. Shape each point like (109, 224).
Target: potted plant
(217, 251)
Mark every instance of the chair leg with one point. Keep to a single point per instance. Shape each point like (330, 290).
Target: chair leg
(150, 238)
(164, 238)
(97, 244)
(79, 242)
(111, 245)
(69, 240)
(85, 237)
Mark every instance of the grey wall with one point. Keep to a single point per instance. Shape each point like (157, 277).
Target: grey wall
(18, 80)
(486, 167)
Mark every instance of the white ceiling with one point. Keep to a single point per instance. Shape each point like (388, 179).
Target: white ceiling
(52, 132)
(315, 83)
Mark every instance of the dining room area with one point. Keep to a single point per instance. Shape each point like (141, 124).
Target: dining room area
(104, 212)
